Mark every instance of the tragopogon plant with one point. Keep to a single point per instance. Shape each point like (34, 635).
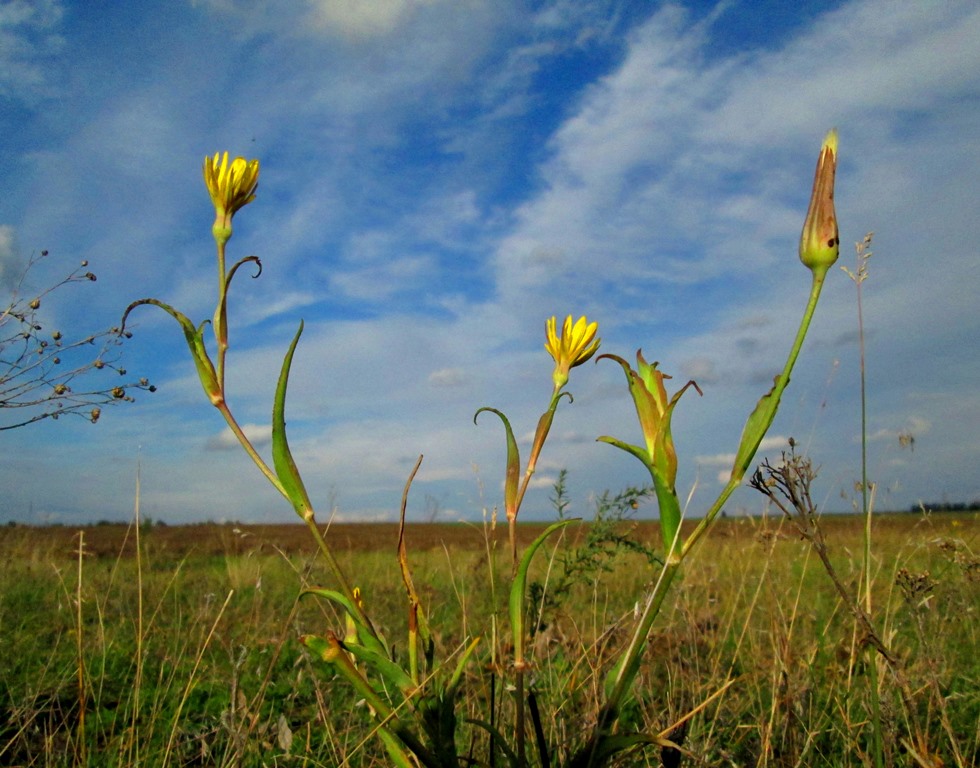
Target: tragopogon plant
(413, 698)
(819, 248)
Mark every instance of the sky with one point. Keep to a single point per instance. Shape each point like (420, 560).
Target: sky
(438, 177)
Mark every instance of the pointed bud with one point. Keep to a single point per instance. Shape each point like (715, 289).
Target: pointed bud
(820, 242)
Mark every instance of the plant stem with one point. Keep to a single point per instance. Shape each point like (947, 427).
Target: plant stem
(221, 315)
(772, 405)
(80, 750)
(247, 445)
(866, 510)
(309, 519)
(629, 666)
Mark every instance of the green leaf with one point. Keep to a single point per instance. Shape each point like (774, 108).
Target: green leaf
(755, 429)
(518, 589)
(365, 636)
(195, 342)
(384, 667)
(400, 758)
(513, 475)
(458, 673)
(635, 450)
(282, 458)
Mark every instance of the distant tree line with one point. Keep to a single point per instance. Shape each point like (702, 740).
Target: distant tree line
(946, 506)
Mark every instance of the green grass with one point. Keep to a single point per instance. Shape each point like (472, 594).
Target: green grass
(189, 653)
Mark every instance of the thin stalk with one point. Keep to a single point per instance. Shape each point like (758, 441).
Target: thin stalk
(191, 682)
(519, 724)
(221, 336)
(771, 406)
(247, 445)
(221, 315)
(335, 568)
(631, 660)
(271, 476)
(879, 756)
(138, 679)
(80, 751)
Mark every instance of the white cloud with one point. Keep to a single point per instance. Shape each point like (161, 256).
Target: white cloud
(447, 377)
(364, 18)
(258, 435)
(30, 40)
(440, 177)
(11, 268)
(770, 442)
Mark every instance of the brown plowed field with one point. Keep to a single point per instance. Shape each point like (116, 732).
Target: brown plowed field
(111, 540)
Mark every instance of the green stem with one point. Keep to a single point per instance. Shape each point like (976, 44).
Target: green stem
(221, 314)
(630, 664)
(247, 445)
(335, 568)
(519, 724)
(771, 406)
(309, 519)
(631, 659)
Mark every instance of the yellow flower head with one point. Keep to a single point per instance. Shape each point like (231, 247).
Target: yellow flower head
(232, 187)
(820, 242)
(576, 344)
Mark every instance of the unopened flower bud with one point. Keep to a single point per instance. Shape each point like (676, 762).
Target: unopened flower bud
(820, 241)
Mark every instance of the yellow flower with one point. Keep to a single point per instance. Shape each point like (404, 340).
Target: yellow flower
(231, 187)
(576, 344)
(820, 241)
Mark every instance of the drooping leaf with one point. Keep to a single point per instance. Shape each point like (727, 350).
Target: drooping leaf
(195, 342)
(513, 474)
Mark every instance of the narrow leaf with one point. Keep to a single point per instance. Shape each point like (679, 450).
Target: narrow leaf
(282, 458)
(518, 588)
(365, 636)
(513, 475)
(755, 429)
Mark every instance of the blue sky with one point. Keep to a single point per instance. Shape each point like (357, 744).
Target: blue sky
(438, 178)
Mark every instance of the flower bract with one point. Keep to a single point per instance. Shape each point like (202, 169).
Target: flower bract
(820, 241)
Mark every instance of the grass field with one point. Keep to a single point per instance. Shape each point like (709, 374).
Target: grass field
(187, 654)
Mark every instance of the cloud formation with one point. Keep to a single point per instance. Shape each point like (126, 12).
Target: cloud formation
(439, 177)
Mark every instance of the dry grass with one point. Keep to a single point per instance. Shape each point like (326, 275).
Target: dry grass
(206, 621)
